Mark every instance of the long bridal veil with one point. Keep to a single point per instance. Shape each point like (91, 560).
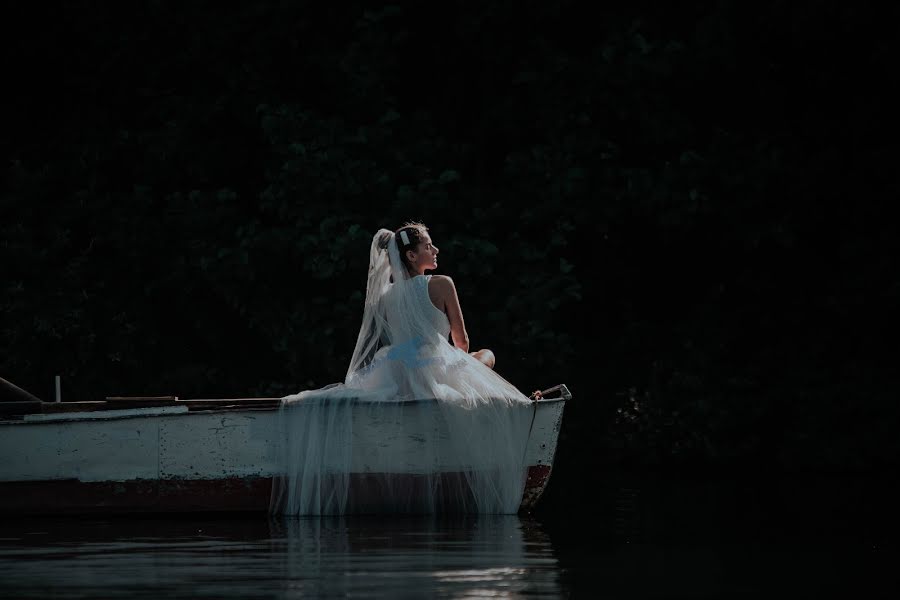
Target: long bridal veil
(417, 426)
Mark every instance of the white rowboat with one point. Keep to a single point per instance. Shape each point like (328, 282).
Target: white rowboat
(171, 455)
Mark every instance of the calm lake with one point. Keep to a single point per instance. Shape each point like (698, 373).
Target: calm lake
(625, 538)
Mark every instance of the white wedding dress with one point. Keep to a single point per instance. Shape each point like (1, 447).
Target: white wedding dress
(417, 426)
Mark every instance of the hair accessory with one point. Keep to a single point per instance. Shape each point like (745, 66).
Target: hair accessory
(404, 237)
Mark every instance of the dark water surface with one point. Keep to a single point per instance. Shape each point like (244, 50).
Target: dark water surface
(622, 539)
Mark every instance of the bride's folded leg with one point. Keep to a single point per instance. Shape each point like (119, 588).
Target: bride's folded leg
(485, 356)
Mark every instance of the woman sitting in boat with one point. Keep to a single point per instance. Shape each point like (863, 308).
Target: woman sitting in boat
(454, 429)
(419, 254)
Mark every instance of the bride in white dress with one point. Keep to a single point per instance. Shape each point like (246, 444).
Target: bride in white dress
(453, 430)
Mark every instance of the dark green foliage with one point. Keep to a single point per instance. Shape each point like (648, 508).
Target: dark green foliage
(676, 210)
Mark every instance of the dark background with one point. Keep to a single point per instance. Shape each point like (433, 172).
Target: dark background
(680, 210)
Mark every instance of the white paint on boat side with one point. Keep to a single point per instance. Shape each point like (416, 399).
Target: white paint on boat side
(544, 433)
(86, 450)
(162, 443)
(212, 445)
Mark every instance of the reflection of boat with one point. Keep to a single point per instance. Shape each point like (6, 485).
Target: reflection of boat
(455, 556)
(461, 556)
(136, 454)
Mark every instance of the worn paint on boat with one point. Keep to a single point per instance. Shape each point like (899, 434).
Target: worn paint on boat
(170, 455)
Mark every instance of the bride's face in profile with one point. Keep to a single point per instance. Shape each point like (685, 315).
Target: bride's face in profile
(425, 256)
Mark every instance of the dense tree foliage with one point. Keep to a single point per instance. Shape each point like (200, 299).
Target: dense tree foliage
(674, 208)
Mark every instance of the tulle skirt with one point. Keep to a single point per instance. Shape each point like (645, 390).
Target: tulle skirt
(423, 428)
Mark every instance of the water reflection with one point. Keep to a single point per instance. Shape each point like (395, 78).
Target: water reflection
(447, 557)
(503, 556)
(626, 538)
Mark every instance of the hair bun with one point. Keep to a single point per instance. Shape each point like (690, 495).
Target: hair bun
(383, 238)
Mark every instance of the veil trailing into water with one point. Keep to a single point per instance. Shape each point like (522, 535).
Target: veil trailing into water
(417, 426)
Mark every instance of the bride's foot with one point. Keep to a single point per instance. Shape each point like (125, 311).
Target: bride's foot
(486, 357)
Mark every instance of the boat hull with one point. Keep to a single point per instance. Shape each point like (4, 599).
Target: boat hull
(186, 457)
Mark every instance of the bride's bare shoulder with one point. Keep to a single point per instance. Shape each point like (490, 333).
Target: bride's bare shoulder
(442, 291)
(441, 282)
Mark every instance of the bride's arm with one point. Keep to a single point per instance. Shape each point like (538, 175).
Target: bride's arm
(448, 301)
